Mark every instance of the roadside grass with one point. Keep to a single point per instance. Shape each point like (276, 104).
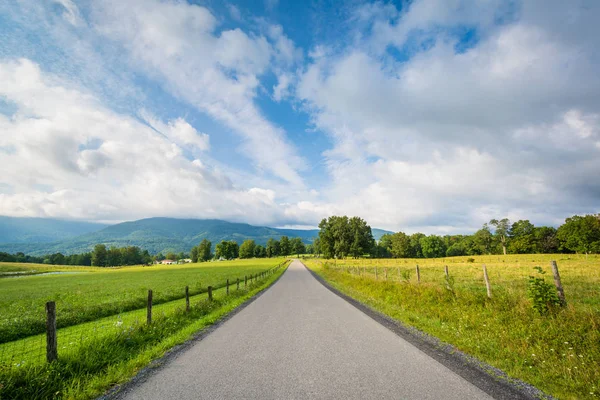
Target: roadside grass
(558, 353)
(116, 355)
(99, 292)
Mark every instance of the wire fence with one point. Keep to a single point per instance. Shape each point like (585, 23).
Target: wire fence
(127, 327)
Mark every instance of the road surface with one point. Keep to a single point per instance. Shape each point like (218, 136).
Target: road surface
(301, 341)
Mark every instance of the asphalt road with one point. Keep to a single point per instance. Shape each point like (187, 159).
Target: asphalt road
(300, 341)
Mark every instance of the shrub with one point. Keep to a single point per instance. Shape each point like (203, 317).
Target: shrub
(542, 294)
(470, 260)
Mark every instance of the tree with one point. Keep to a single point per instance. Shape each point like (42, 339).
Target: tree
(317, 247)
(433, 246)
(285, 247)
(57, 259)
(522, 239)
(400, 245)
(259, 251)
(415, 244)
(501, 231)
(341, 236)
(194, 254)
(546, 240)
(247, 249)
(272, 248)
(227, 249)
(383, 248)
(171, 256)
(483, 239)
(581, 234)
(99, 255)
(297, 246)
(204, 250)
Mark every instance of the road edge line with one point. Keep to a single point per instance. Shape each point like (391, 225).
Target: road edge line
(489, 379)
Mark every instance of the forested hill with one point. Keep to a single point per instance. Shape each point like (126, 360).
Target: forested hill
(163, 235)
(42, 230)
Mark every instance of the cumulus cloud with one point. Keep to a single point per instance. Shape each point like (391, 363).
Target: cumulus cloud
(452, 138)
(72, 157)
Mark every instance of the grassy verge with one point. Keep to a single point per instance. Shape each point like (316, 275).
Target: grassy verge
(114, 357)
(558, 353)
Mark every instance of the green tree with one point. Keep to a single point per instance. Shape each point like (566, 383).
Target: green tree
(401, 246)
(433, 246)
(285, 247)
(297, 246)
(522, 238)
(99, 255)
(484, 239)
(383, 248)
(247, 249)
(171, 256)
(415, 244)
(581, 234)
(194, 254)
(204, 250)
(259, 251)
(502, 228)
(272, 248)
(113, 257)
(342, 236)
(546, 240)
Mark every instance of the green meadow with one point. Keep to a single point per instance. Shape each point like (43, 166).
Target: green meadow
(558, 352)
(98, 349)
(87, 293)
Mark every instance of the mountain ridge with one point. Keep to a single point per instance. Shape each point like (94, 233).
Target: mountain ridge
(163, 234)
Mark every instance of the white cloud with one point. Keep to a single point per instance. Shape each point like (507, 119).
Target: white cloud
(508, 125)
(216, 72)
(72, 157)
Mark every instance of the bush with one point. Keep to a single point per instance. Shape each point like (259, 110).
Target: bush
(542, 294)
(470, 260)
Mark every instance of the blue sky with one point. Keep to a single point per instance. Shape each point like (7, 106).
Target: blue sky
(429, 115)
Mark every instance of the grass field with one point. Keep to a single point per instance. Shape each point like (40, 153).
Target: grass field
(87, 293)
(95, 355)
(559, 353)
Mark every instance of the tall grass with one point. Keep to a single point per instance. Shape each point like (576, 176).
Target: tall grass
(559, 353)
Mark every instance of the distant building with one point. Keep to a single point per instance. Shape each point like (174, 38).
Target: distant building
(167, 262)
(184, 261)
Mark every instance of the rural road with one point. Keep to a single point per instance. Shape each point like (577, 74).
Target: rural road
(301, 341)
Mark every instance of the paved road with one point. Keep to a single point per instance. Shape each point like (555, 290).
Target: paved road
(300, 341)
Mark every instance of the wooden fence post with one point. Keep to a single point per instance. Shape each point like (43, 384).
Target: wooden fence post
(149, 308)
(227, 287)
(238, 284)
(418, 274)
(187, 298)
(210, 293)
(487, 282)
(558, 284)
(446, 271)
(51, 342)
(245, 281)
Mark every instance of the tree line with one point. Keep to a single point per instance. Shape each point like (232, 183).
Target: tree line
(343, 236)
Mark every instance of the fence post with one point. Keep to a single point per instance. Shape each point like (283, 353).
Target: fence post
(187, 298)
(558, 284)
(245, 281)
(227, 287)
(446, 271)
(386, 274)
(487, 282)
(51, 342)
(149, 308)
(418, 274)
(238, 284)
(210, 293)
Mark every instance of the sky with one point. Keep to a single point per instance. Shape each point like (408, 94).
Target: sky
(430, 115)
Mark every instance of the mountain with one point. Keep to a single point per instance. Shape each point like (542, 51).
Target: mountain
(42, 230)
(163, 235)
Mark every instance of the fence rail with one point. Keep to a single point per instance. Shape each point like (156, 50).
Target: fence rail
(48, 347)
